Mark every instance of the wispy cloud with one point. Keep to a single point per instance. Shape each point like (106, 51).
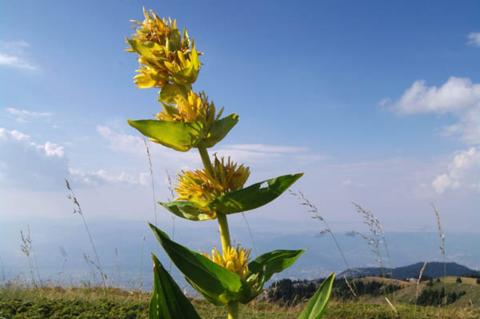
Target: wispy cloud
(102, 177)
(474, 39)
(22, 115)
(13, 55)
(247, 153)
(27, 164)
(15, 62)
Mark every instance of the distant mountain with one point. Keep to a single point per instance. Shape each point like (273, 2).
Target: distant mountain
(433, 270)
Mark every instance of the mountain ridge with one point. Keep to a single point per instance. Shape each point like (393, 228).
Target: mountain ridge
(433, 269)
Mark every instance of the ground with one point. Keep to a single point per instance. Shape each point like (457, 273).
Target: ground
(65, 303)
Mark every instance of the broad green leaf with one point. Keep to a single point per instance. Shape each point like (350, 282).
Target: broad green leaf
(168, 300)
(214, 282)
(187, 210)
(220, 129)
(274, 262)
(316, 305)
(245, 199)
(177, 135)
(253, 196)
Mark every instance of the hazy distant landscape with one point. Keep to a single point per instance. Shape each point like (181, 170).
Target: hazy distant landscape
(122, 255)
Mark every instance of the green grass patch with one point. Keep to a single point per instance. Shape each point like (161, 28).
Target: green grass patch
(66, 303)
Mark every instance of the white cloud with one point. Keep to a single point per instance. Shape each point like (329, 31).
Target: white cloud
(22, 115)
(12, 54)
(264, 148)
(15, 62)
(458, 97)
(474, 39)
(455, 95)
(16, 135)
(52, 149)
(265, 153)
(462, 172)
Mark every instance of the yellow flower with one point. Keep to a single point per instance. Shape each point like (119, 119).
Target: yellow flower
(166, 56)
(234, 259)
(200, 187)
(154, 29)
(197, 186)
(194, 107)
(229, 174)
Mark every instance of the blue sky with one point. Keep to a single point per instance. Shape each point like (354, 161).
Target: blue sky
(332, 88)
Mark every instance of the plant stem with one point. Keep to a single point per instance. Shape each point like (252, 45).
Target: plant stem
(232, 311)
(206, 160)
(232, 308)
(224, 231)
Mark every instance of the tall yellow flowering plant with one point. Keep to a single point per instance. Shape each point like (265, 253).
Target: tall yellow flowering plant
(169, 61)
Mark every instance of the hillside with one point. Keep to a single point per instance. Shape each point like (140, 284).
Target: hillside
(457, 292)
(433, 270)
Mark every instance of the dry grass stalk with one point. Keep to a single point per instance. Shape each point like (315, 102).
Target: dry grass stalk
(171, 190)
(376, 238)
(171, 197)
(315, 213)
(441, 238)
(27, 249)
(417, 284)
(2, 267)
(392, 306)
(152, 180)
(142, 263)
(77, 209)
(64, 255)
(250, 233)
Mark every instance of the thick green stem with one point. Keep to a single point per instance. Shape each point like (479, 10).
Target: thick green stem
(232, 311)
(206, 160)
(224, 231)
(232, 308)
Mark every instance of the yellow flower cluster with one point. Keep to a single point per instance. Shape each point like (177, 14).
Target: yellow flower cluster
(229, 174)
(194, 107)
(200, 187)
(234, 259)
(165, 55)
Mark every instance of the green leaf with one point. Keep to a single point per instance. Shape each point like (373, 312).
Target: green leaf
(316, 305)
(187, 210)
(213, 281)
(146, 49)
(220, 129)
(274, 262)
(187, 75)
(253, 196)
(263, 267)
(245, 199)
(170, 91)
(177, 135)
(168, 301)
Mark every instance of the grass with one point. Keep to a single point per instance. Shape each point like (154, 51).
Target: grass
(65, 303)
